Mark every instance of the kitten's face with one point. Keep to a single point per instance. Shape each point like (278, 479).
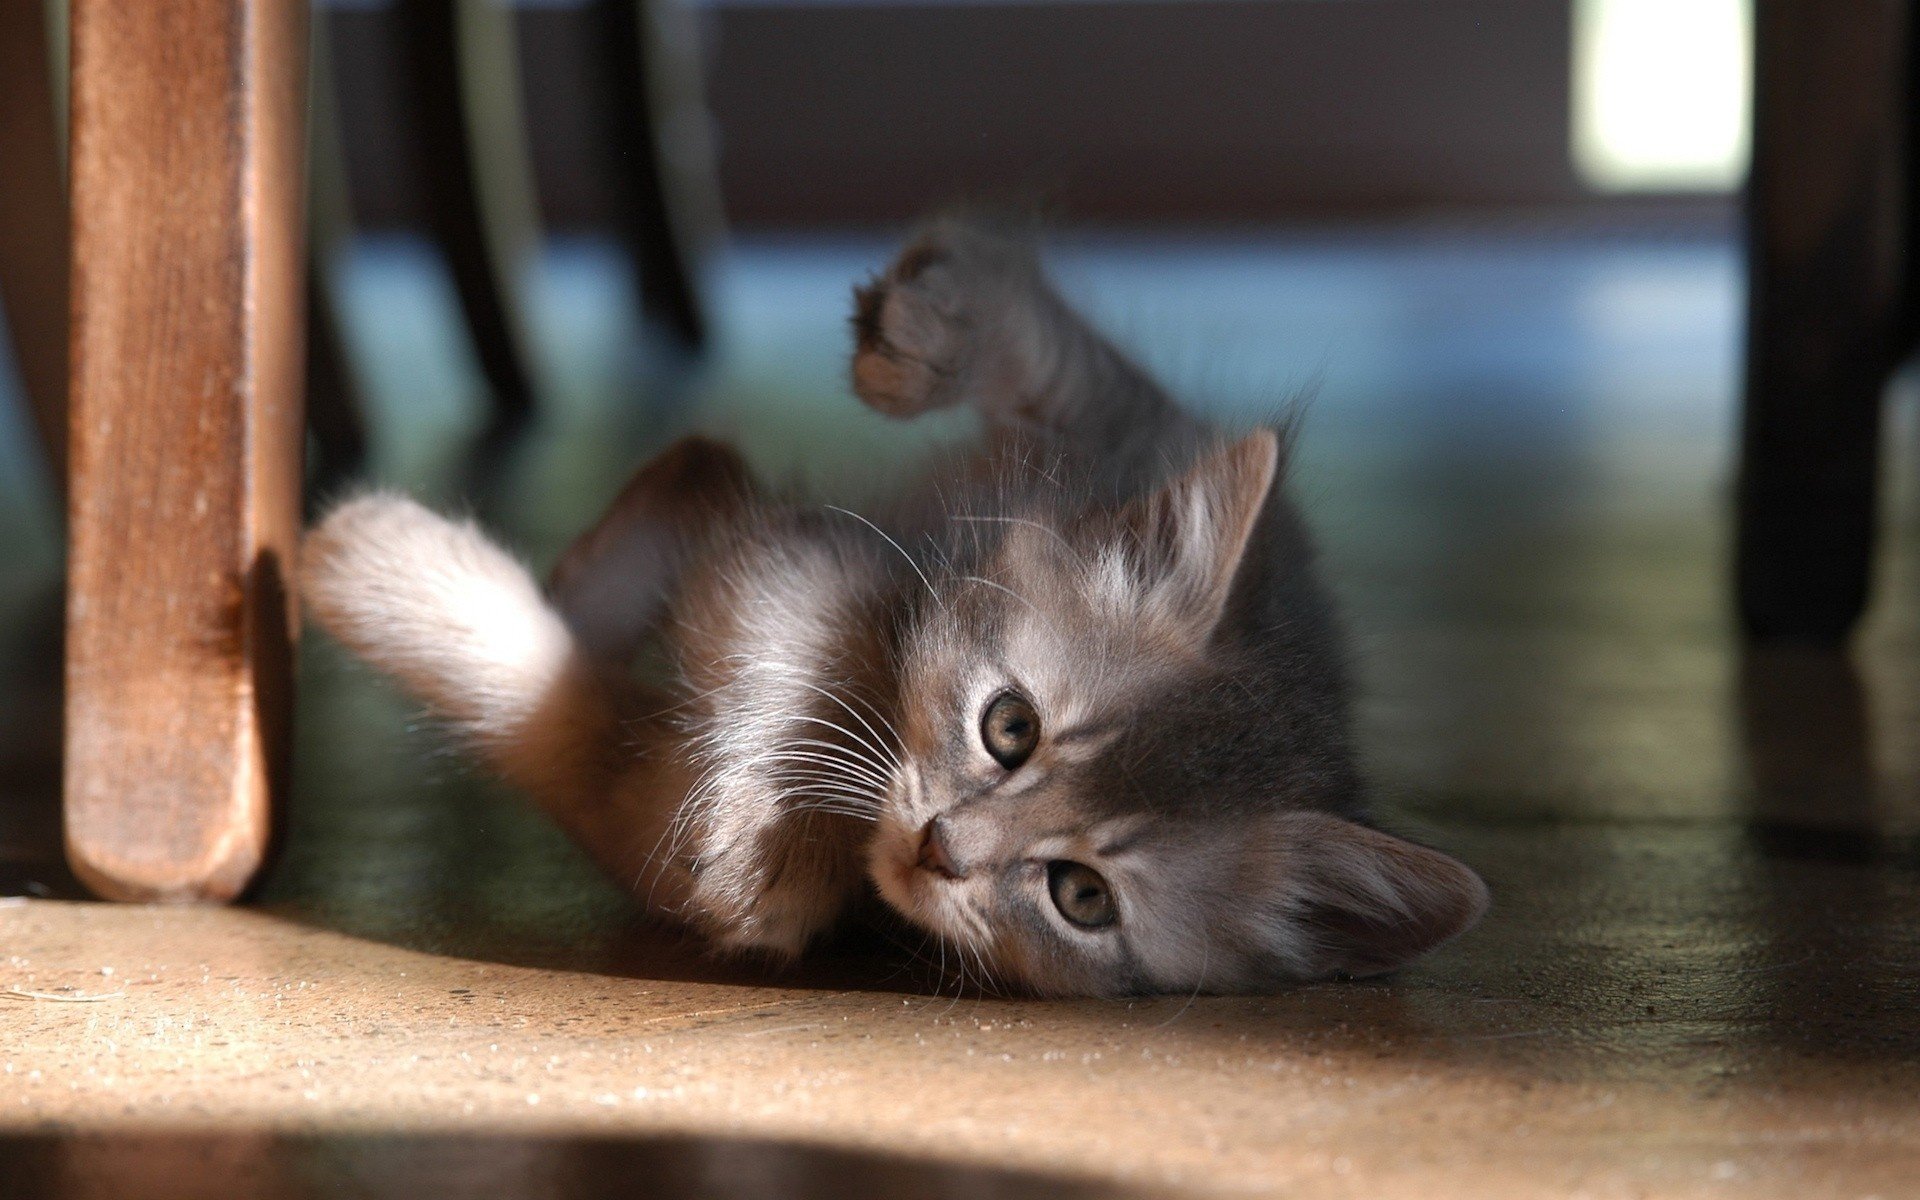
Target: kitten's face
(1087, 801)
(1016, 830)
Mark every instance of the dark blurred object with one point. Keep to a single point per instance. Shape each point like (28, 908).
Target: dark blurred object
(462, 101)
(259, 1166)
(33, 222)
(660, 155)
(1806, 732)
(1830, 306)
(336, 409)
(461, 70)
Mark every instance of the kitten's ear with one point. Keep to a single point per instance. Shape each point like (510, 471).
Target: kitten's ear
(611, 584)
(1194, 529)
(1362, 902)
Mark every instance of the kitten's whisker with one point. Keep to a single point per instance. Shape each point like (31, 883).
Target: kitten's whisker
(998, 587)
(896, 545)
(795, 789)
(823, 782)
(670, 839)
(838, 777)
(879, 756)
(719, 687)
(792, 803)
(940, 552)
(960, 962)
(1206, 949)
(851, 791)
(879, 772)
(827, 804)
(983, 976)
(1051, 532)
(802, 788)
(827, 760)
(821, 792)
(823, 752)
(856, 716)
(859, 691)
(917, 953)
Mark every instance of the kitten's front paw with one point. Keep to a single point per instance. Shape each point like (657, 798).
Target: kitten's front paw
(910, 333)
(923, 327)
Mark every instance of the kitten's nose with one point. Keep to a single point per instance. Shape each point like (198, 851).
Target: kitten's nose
(933, 851)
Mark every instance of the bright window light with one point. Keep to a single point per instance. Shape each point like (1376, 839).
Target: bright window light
(1660, 93)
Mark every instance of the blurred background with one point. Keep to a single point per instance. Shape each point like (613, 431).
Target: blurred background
(829, 112)
(521, 205)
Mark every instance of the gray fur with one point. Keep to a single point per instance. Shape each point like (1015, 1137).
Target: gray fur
(1140, 577)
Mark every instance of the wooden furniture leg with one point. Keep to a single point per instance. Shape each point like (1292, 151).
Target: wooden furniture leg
(33, 221)
(1827, 261)
(187, 139)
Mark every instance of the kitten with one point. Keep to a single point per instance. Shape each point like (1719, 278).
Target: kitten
(1075, 706)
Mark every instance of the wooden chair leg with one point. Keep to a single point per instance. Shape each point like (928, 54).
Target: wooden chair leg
(463, 95)
(33, 222)
(1827, 262)
(654, 128)
(187, 146)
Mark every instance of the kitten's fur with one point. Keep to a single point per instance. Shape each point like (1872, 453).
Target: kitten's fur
(1139, 578)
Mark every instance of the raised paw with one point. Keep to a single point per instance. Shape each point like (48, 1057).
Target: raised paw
(927, 327)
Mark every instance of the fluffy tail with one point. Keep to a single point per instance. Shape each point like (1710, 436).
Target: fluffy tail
(462, 626)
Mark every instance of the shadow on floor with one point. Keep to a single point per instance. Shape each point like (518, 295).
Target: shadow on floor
(269, 1167)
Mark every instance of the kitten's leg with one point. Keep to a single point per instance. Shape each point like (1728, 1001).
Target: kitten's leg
(612, 584)
(966, 316)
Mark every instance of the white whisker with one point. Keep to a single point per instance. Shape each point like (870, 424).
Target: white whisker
(1049, 530)
(875, 755)
(896, 545)
(786, 755)
(883, 770)
(999, 587)
(854, 713)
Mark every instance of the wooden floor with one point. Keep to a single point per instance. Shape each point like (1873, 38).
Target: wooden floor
(1701, 976)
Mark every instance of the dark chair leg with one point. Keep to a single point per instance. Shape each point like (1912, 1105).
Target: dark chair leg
(1827, 261)
(463, 80)
(33, 223)
(336, 415)
(653, 120)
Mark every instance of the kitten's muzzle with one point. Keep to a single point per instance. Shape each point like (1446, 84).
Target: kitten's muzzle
(934, 853)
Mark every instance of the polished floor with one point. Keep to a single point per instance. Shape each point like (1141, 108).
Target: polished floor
(1701, 976)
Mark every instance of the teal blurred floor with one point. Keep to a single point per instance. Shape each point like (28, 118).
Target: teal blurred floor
(1702, 973)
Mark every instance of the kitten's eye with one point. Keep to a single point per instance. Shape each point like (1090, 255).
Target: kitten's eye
(1010, 729)
(1080, 894)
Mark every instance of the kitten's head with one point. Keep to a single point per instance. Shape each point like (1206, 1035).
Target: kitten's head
(1106, 788)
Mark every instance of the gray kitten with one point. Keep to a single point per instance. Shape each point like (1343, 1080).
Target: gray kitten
(1075, 705)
